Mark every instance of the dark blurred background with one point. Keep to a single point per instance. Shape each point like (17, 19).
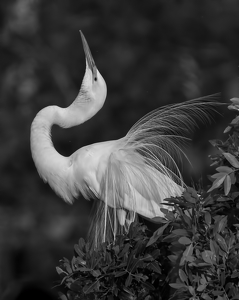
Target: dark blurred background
(150, 53)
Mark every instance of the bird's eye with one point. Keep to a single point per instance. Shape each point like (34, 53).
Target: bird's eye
(95, 79)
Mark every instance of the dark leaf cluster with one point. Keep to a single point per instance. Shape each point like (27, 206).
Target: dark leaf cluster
(130, 268)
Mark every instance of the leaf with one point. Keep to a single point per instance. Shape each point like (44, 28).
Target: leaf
(222, 224)
(125, 250)
(227, 185)
(155, 267)
(96, 273)
(78, 250)
(224, 169)
(192, 192)
(84, 269)
(158, 220)
(227, 129)
(157, 234)
(62, 296)
(214, 247)
(231, 241)
(120, 273)
(206, 297)
(147, 257)
(123, 295)
(173, 258)
(231, 159)
(128, 281)
(235, 195)
(218, 226)
(122, 265)
(168, 214)
(218, 175)
(183, 276)
(87, 247)
(184, 240)
(60, 271)
(228, 286)
(188, 198)
(187, 219)
(235, 121)
(141, 276)
(130, 258)
(235, 100)
(222, 243)
(91, 287)
(203, 279)
(81, 243)
(135, 262)
(201, 287)
(209, 200)
(201, 264)
(208, 218)
(222, 278)
(182, 232)
(190, 258)
(178, 285)
(169, 238)
(222, 199)
(217, 182)
(148, 286)
(155, 254)
(191, 290)
(233, 178)
(68, 268)
(235, 275)
(206, 256)
(233, 107)
(190, 195)
(187, 253)
(80, 261)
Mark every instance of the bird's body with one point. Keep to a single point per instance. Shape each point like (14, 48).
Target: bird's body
(132, 175)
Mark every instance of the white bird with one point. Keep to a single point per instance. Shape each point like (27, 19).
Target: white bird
(129, 176)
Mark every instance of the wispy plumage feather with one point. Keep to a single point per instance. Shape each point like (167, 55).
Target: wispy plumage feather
(143, 169)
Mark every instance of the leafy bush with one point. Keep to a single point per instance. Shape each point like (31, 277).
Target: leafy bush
(194, 254)
(131, 268)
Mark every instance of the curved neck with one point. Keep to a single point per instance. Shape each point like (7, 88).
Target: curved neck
(51, 165)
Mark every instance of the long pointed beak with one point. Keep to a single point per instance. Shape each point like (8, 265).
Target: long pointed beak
(89, 58)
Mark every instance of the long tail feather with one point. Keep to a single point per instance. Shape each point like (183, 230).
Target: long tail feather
(166, 131)
(101, 228)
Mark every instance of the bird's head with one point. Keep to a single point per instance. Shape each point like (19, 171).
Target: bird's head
(93, 88)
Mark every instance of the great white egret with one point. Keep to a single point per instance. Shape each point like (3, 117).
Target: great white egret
(129, 176)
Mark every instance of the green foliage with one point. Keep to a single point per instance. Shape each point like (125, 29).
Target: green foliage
(194, 254)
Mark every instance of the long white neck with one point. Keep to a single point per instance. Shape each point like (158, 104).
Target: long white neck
(51, 165)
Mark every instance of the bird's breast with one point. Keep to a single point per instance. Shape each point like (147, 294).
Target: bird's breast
(89, 164)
